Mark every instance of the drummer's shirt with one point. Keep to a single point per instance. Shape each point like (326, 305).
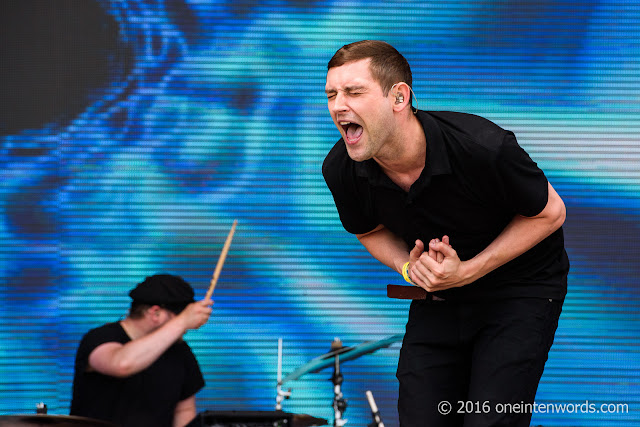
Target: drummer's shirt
(147, 398)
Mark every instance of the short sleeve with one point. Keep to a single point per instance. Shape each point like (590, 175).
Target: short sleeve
(352, 202)
(526, 186)
(193, 379)
(111, 332)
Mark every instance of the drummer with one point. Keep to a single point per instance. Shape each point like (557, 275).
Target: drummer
(139, 371)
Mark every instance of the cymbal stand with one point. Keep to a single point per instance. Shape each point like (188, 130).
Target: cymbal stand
(280, 395)
(339, 403)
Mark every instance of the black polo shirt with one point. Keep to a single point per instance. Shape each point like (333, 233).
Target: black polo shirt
(476, 179)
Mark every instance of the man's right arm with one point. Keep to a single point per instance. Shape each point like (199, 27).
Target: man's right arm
(123, 360)
(386, 247)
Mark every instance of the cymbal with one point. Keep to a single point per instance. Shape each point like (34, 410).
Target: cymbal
(346, 353)
(50, 420)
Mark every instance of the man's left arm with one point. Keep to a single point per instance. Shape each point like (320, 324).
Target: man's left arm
(185, 412)
(520, 235)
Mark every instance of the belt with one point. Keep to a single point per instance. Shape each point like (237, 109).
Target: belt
(410, 292)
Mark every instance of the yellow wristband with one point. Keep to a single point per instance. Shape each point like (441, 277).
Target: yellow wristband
(405, 273)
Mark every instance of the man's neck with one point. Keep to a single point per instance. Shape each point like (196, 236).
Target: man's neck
(404, 159)
(135, 328)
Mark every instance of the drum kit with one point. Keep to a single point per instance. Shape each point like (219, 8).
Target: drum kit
(337, 355)
(44, 420)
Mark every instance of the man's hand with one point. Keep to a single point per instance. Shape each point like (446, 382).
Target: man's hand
(196, 314)
(439, 268)
(415, 253)
(418, 250)
(435, 254)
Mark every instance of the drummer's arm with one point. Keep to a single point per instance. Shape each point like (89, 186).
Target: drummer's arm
(185, 412)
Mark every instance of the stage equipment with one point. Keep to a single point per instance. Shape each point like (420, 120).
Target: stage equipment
(337, 355)
(42, 420)
(280, 395)
(375, 413)
(254, 419)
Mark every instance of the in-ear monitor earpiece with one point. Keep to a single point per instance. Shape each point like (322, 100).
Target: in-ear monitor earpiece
(400, 98)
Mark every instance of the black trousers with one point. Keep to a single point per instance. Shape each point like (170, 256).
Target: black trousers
(474, 364)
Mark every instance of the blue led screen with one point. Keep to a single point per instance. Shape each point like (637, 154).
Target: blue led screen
(133, 133)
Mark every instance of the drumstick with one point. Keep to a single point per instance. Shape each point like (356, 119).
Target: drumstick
(223, 255)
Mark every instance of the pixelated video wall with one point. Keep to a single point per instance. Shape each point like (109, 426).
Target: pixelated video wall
(134, 132)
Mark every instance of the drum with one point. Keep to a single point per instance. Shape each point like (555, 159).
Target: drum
(42, 420)
(254, 419)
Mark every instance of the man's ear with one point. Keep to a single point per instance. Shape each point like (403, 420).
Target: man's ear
(154, 311)
(401, 95)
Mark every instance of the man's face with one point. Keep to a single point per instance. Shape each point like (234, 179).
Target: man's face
(360, 111)
(160, 316)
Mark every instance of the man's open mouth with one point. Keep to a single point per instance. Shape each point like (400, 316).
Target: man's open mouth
(352, 131)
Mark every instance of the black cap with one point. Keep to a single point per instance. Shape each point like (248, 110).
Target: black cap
(165, 290)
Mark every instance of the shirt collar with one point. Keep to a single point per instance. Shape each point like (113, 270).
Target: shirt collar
(437, 156)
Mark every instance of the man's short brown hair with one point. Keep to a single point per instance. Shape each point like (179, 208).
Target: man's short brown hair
(137, 310)
(387, 65)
